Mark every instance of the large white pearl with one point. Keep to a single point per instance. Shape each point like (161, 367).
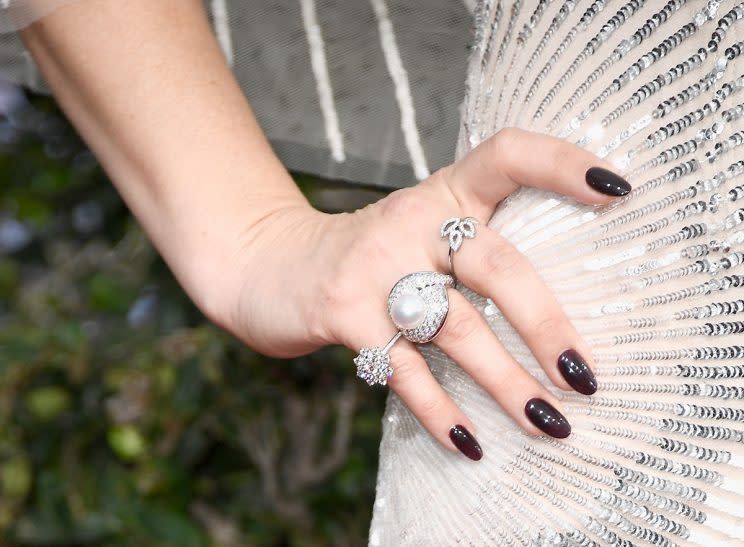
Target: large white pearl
(408, 311)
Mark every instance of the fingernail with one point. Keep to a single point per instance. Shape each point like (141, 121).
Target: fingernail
(606, 182)
(576, 372)
(547, 418)
(465, 442)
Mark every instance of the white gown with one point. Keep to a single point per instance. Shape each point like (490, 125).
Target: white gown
(656, 284)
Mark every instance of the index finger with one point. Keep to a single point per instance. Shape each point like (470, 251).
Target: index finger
(515, 157)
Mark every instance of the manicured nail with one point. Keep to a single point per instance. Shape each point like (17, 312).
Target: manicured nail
(607, 182)
(465, 442)
(576, 372)
(547, 418)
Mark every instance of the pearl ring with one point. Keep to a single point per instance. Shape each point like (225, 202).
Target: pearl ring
(418, 306)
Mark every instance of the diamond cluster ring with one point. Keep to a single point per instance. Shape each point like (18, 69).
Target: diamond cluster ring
(373, 364)
(418, 306)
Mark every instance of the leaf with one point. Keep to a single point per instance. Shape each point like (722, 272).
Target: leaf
(127, 442)
(467, 227)
(9, 277)
(46, 403)
(455, 240)
(108, 294)
(169, 528)
(448, 226)
(15, 475)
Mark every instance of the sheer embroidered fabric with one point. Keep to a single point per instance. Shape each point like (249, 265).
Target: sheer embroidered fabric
(365, 91)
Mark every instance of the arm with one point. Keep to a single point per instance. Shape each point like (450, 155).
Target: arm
(148, 89)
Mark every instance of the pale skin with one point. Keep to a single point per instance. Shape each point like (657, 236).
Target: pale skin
(149, 90)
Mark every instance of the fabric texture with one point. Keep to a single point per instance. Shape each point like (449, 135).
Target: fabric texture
(16, 14)
(362, 91)
(654, 285)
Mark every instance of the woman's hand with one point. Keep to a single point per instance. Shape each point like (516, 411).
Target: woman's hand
(312, 279)
(174, 132)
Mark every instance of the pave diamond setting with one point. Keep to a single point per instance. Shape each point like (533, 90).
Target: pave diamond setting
(432, 287)
(456, 229)
(373, 364)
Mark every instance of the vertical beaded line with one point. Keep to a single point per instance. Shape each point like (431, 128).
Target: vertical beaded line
(221, 19)
(402, 89)
(319, 65)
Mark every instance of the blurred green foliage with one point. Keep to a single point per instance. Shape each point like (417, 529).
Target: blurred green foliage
(126, 419)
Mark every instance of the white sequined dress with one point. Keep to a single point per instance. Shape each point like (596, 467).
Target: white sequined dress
(656, 286)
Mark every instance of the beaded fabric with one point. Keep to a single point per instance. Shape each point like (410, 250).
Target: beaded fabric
(655, 284)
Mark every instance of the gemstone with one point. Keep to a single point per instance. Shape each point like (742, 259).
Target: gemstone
(408, 311)
(431, 287)
(373, 366)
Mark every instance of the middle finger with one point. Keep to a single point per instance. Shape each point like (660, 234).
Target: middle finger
(493, 267)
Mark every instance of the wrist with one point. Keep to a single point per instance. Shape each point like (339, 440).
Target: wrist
(240, 253)
(284, 262)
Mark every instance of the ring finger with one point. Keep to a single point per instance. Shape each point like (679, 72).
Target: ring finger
(493, 267)
(414, 383)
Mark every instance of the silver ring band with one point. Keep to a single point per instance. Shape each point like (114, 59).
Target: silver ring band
(456, 230)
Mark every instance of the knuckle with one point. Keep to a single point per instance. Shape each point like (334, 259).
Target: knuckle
(335, 304)
(330, 296)
(370, 245)
(503, 260)
(326, 323)
(444, 182)
(505, 138)
(442, 177)
(488, 155)
(460, 327)
(498, 383)
(548, 328)
(491, 158)
(402, 204)
(405, 370)
(564, 157)
(373, 247)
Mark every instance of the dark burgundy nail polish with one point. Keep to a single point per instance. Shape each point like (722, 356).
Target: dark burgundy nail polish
(547, 418)
(577, 373)
(465, 442)
(607, 182)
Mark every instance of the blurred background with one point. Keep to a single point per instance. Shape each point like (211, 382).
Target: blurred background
(126, 419)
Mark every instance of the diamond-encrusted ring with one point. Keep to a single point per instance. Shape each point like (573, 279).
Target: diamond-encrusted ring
(373, 364)
(418, 305)
(456, 229)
